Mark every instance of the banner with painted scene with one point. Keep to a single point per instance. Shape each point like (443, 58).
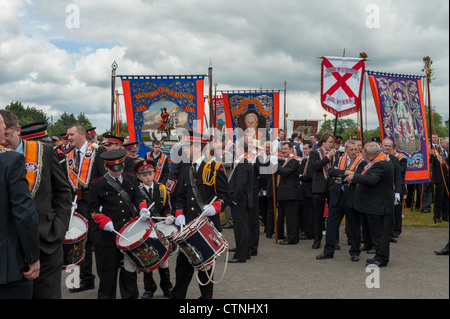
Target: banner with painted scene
(306, 127)
(157, 105)
(341, 85)
(401, 114)
(259, 110)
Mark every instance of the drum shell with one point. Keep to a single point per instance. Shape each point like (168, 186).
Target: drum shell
(201, 243)
(149, 251)
(74, 249)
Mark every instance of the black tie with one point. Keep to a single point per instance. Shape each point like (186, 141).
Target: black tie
(77, 161)
(118, 182)
(195, 167)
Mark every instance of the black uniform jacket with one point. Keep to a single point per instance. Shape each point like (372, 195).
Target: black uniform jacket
(241, 183)
(104, 195)
(160, 197)
(186, 200)
(338, 177)
(319, 183)
(289, 187)
(19, 234)
(374, 193)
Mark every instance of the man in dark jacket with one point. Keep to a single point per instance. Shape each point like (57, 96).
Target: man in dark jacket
(19, 233)
(374, 197)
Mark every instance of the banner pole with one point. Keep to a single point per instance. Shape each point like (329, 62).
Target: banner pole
(113, 84)
(211, 117)
(284, 124)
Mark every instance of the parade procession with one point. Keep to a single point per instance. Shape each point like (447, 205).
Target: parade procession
(206, 190)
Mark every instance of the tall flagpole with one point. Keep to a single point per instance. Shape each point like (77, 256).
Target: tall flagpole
(284, 124)
(210, 99)
(113, 84)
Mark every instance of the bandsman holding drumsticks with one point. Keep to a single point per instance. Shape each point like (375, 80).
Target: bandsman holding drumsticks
(203, 180)
(113, 201)
(156, 193)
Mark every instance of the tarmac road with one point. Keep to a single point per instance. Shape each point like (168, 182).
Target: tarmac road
(292, 272)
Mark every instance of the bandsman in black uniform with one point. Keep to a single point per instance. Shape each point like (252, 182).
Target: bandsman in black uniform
(162, 162)
(155, 193)
(112, 211)
(208, 177)
(132, 158)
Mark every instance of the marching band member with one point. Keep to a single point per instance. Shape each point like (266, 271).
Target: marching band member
(157, 193)
(162, 162)
(241, 201)
(52, 198)
(83, 165)
(111, 212)
(201, 182)
(289, 194)
(341, 202)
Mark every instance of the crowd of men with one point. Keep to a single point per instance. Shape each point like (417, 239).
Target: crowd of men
(297, 189)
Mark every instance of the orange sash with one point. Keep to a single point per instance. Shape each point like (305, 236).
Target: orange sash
(159, 165)
(380, 157)
(354, 164)
(85, 170)
(33, 164)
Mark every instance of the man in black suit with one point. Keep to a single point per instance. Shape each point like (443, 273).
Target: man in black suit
(320, 161)
(111, 211)
(403, 165)
(374, 197)
(341, 202)
(19, 227)
(439, 172)
(155, 193)
(51, 193)
(306, 185)
(189, 206)
(83, 165)
(289, 194)
(241, 201)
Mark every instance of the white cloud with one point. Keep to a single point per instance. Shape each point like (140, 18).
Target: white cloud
(251, 44)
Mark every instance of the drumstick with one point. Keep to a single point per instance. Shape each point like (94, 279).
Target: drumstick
(122, 236)
(72, 210)
(140, 218)
(212, 201)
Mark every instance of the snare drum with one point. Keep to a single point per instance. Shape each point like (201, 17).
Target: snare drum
(202, 244)
(146, 245)
(74, 242)
(169, 231)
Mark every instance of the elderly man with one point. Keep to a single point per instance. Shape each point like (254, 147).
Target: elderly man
(341, 202)
(374, 197)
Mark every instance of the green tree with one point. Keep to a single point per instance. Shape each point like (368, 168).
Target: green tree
(27, 115)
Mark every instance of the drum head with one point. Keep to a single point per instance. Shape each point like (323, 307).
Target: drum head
(166, 230)
(78, 228)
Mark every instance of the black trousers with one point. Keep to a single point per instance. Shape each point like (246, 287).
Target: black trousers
(111, 267)
(353, 223)
(92, 247)
(288, 209)
(397, 220)
(253, 224)
(184, 272)
(270, 220)
(319, 200)
(380, 233)
(165, 283)
(241, 221)
(48, 284)
(307, 204)
(441, 201)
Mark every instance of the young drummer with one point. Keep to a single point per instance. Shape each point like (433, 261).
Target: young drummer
(111, 211)
(156, 193)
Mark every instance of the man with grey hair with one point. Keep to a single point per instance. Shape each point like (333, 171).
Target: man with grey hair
(374, 197)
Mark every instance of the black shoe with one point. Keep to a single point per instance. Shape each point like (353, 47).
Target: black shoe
(323, 256)
(445, 219)
(232, 250)
(375, 262)
(371, 251)
(442, 251)
(235, 260)
(437, 220)
(148, 294)
(316, 245)
(393, 240)
(337, 247)
(365, 248)
(287, 242)
(82, 287)
(167, 292)
(354, 258)
(227, 225)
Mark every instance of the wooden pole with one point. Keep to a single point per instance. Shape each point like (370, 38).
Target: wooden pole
(285, 124)
(211, 117)
(430, 109)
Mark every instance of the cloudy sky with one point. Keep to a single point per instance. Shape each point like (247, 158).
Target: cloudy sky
(57, 55)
